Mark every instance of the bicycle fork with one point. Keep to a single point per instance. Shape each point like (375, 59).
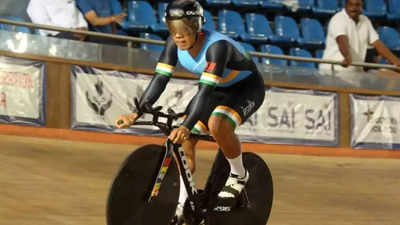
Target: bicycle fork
(183, 168)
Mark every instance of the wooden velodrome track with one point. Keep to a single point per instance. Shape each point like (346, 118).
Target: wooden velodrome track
(64, 182)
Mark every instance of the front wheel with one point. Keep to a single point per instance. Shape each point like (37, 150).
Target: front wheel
(127, 200)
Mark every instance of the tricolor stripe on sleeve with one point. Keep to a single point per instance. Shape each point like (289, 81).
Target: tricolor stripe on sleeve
(164, 69)
(210, 79)
(200, 128)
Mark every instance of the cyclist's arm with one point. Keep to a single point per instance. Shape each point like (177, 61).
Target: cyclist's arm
(217, 57)
(165, 65)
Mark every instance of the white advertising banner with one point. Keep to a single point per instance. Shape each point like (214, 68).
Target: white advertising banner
(375, 122)
(287, 116)
(295, 116)
(21, 91)
(100, 96)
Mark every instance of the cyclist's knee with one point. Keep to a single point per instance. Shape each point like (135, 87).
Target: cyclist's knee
(219, 126)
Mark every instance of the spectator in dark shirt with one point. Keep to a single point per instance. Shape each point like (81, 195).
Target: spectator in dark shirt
(103, 16)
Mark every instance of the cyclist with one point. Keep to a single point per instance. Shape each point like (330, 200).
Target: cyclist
(230, 90)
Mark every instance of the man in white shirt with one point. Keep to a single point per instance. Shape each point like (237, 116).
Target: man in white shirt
(61, 13)
(349, 36)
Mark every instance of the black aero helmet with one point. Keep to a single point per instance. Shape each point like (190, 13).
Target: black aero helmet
(190, 9)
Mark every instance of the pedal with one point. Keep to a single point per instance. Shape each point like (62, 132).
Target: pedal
(241, 202)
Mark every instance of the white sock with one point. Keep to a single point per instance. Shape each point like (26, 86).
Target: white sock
(237, 166)
(183, 195)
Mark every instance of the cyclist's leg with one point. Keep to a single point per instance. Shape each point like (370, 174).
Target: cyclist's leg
(223, 132)
(244, 99)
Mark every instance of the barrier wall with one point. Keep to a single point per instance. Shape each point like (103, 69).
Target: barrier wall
(84, 86)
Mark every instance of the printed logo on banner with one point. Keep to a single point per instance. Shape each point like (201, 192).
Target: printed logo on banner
(21, 90)
(319, 119)
(368, 113)
(101, 96)
(99, 100)
(381, 124)
(375, 121)
(294, 117)
(130, 99)
(312, 119)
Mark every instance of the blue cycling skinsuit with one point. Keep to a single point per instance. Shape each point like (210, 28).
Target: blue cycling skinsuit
(230, 84)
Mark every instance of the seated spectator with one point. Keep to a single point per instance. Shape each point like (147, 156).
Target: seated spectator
(61, 13)
(103, 16)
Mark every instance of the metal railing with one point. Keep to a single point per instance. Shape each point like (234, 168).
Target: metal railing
(159, 42)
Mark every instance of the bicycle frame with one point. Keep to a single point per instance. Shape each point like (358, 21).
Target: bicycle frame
(201, 205)
(184, 170)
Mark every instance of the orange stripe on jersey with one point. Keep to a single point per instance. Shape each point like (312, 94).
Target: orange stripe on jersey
(230, 76)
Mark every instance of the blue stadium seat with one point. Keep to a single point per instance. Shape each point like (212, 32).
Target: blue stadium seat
(305, 5)
(217, 2)
(319, 53)
(209, 25)
(286, 30)
(272, 49)
(301, 53)
(342, 3)
(141, 17)
(324, 8)
(250, 48)
(271, 4)
(393, 10)
(245, 3)
(231, 24)
(15, 28)
(312, 32)
(390, 37)
(151, 47)
(258, 28)
(161, 7)
(375, 8)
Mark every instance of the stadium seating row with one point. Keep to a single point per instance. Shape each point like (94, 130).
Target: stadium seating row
(372, 8)
(272, 49)
(255, 28)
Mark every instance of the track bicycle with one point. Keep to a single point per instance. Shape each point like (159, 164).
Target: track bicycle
(146, 187)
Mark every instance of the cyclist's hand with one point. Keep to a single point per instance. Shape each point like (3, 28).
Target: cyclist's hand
(126, 120)
(178, 135)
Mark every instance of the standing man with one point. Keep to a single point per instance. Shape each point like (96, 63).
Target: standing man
(349, 35)
(61, 13)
